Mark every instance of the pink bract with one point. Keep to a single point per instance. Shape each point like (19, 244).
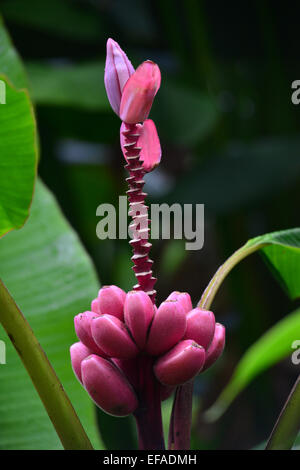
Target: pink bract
(118, 69)
(139, 92)
(148, 141)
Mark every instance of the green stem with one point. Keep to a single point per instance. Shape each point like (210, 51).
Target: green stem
(287, 426)
(213, 287)
(46, 382)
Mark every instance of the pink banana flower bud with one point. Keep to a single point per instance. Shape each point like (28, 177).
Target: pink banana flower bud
(82, 324)
(148, 142)
(216, 347)
(139, 92)
(184, 298)
(181, 364)
(138, 313)
(111, 301)
(200, 326)
(118, 69)
(111, 335)
(78, 352)
(168, 327)
(107, 386)
(95, 306)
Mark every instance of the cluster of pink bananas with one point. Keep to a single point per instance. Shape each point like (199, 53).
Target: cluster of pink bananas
(124, 332)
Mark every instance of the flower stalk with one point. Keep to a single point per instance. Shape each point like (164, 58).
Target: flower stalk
(181, 418)
(139, 212)
(148, 415)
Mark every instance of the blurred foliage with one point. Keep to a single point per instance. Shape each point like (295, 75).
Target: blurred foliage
(185, 116)
(269, 349)
(45, 267)
(50, 276)
(282, 253)
(245, 174)
(229, 134)
(19, 154)
(68, 85)
(18, 140)
(173, 256)
(55, 16)
(10, 64)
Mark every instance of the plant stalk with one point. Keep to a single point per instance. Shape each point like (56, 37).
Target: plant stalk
(148, 415)
(181, 418)
(287, 426)
(139, 213)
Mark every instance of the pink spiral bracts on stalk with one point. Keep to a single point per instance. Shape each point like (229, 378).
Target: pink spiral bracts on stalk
(138, 211)
(131, 94)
